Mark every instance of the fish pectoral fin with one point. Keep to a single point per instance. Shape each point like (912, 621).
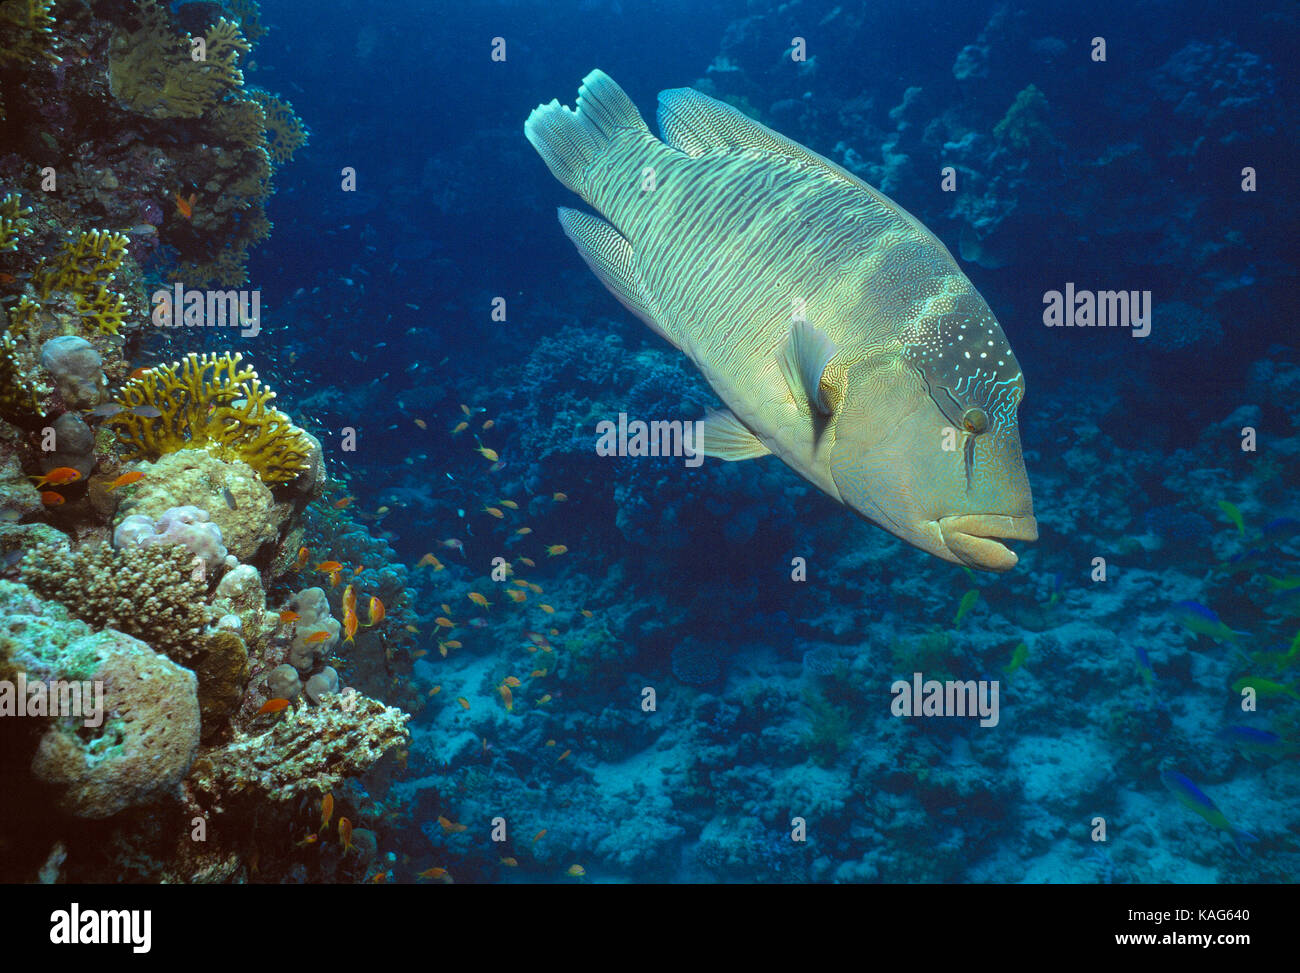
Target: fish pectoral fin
(803, 359)
(725, 437)
(609, 255)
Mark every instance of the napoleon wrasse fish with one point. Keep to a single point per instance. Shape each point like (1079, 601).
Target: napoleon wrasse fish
(840, 333)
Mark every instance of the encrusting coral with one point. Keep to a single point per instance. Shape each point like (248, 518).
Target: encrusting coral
(211, 403)
(307, 750)
(153, 70)
(152, 593)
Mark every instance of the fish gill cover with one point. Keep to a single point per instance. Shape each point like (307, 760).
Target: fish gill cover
(898, 483)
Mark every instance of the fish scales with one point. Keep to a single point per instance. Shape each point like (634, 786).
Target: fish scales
(839, 332)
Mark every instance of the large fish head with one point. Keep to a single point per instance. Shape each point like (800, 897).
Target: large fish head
(926, 442)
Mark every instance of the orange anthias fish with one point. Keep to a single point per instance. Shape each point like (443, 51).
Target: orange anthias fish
(326, 811)
(57, 477)
(345, 502)
(487, 453)
(126, 479)
(528, 561)
(334, 578)
(449, 826)
(349, 625)
(376, 610)
(524, 531)
(303, 556)
(345, 834)
(316, 637)
(546, 608)
(555, 550)
(460, 428)
(273, 706)
(185, 207)
(349, 599)
(434, 872)
(421, 423)
(288, 617)
(452, 644)
(51, 499)
(539, 836)
(537, 674)
(494, 512)
(329, 567)
(559, 497)
(507, 697)
(509, 503)
(464, 703)
(510, 861)
(454, 543)
(516, 595)
(512, 681)
(431, 561)
(444, 622)
(479, 600)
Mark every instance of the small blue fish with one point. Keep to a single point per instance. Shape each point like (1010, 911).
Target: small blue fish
(1195, 617)
(1248, 738)
(1144, 665)
(1194, 799)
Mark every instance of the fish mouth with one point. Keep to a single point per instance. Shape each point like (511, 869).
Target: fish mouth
(971, 539)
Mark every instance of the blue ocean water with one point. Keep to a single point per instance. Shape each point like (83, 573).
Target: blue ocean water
(706, 673)
(772, 697)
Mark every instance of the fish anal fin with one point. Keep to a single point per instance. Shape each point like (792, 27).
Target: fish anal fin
(725, 437)
(609, 255)
(804, 358)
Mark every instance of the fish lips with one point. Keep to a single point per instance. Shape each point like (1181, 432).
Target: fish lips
(972, 538)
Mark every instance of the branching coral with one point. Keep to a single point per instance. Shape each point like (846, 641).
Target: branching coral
(18, 400)
(151, 593)
(308, 751)
(13, 222)
(84, 268)
(249, 15)
(26, 29)
(211, 403)
(285, 131)
(153, 71)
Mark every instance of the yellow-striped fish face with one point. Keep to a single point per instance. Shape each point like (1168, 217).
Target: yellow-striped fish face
(927, 445)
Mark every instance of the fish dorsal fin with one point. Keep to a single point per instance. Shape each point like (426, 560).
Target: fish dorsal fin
(609, 255)
(694, 123)
(804, 358)
(723, 436)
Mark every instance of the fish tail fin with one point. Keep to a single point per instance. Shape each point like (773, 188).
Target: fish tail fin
(1238, 836)
(571, 141)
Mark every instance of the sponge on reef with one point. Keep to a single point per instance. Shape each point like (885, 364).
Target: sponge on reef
(146, 742)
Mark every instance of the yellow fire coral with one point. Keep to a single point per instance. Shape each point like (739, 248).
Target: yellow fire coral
(26, 29)
(84, 268)
(211, 403)
(13, 222)
(285, 131)
(153, 71)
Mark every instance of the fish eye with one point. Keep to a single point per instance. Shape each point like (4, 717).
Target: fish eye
(975, 421)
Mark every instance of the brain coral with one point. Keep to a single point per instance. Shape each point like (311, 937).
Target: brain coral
(211, 403)
(146, 742)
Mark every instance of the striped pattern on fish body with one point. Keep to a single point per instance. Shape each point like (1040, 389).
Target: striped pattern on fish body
(820, 312)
